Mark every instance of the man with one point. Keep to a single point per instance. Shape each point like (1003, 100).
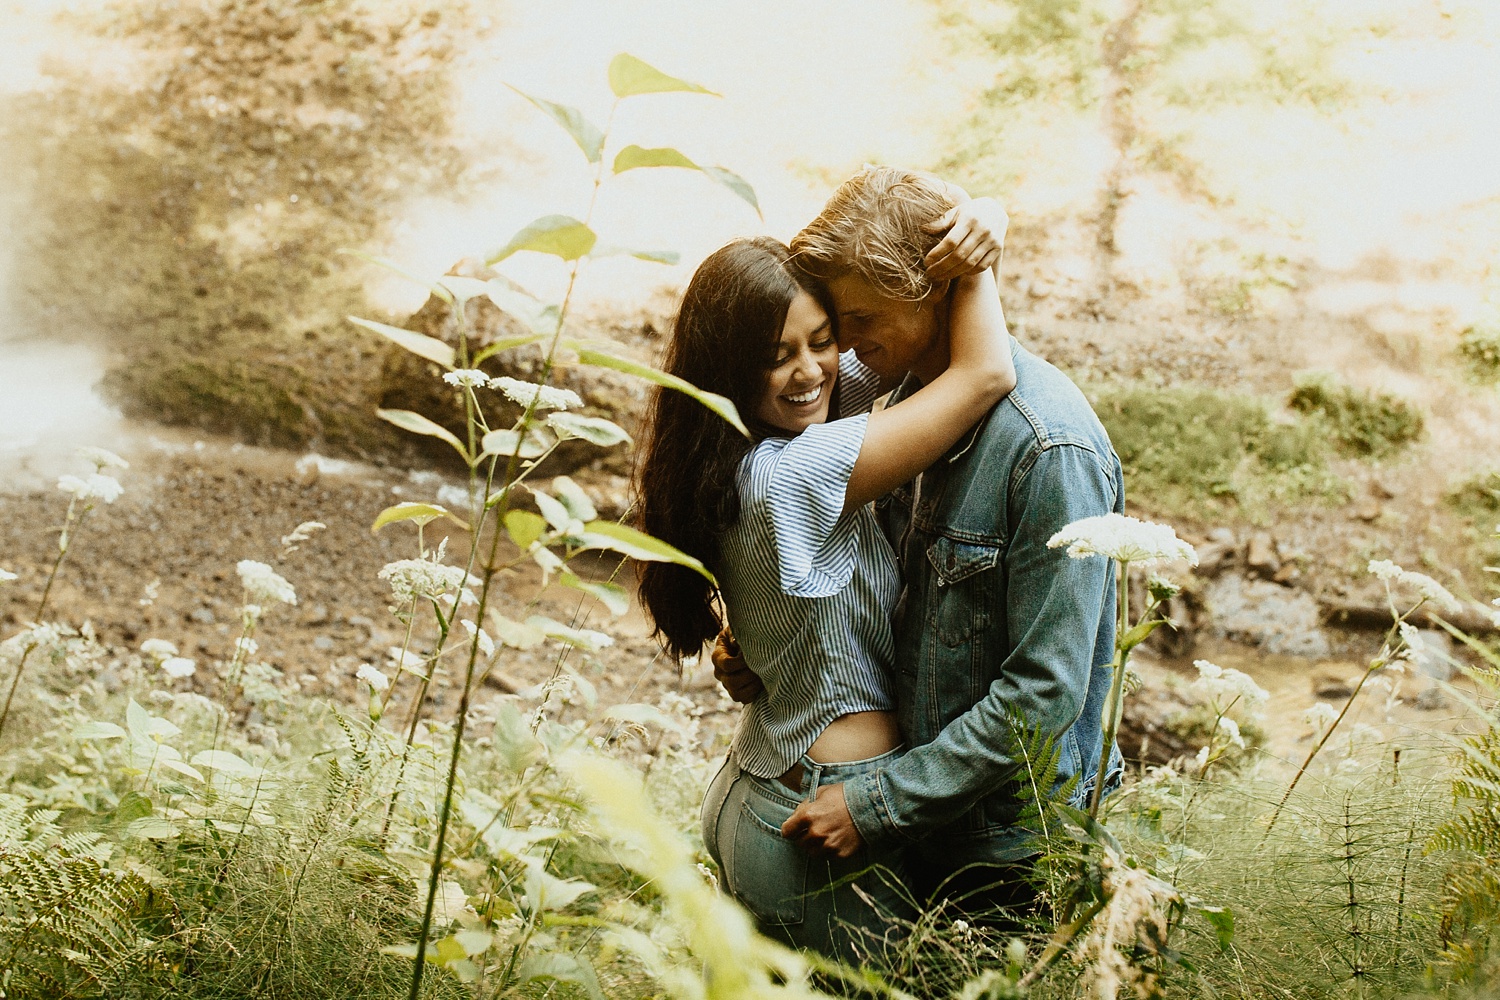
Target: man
(994, 628)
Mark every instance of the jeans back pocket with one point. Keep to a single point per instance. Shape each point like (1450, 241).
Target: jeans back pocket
(770, 872)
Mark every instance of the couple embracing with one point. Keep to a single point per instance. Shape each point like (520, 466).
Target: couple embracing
(885, 574)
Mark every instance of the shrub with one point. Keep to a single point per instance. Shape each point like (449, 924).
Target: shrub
(1362, 423)
(1480, 347)
(1194, 450)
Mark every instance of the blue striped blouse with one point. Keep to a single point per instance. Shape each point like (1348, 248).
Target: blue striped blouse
(809, 590)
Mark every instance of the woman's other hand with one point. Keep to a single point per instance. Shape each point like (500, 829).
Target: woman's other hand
(732, 672)
(974, 240)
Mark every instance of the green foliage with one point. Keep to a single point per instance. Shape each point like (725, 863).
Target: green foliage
(1204, 452)
(1480, 347)
(1362, 423)
(1477, 500)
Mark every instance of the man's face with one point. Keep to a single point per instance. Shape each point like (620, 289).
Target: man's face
(890, 336)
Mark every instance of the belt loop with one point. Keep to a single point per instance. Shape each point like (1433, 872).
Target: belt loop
(813, 774)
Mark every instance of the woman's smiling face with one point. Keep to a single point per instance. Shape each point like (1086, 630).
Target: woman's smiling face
(799, 382)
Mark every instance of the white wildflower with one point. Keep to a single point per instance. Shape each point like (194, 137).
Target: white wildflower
(1231, 731)
(6, 576)
(301, 533)
(1416, 646)
(263, 584)
(158, 649)
(1126, 539)
(102, 458)
(486, 644)
(414, 579)
(471, 378)
(1222, 687)
(1320, 716)
(245, 646)
(178, 667)
(548, 397)
(377, 680)
(1425, 586)
(1136, 915)
(95, 487)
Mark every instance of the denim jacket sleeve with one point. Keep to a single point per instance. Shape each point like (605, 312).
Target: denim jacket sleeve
(1053, 605)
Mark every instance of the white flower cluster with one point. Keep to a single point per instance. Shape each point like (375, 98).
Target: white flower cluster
(1125, 539)
(1425, 586)
(412, 579)
(1320, 716)
(95, 487)
(263, 585)
(1221, 687)
(548, 397)
(102, 458)
(301, 533)
(469, 378)
(377, 680)
(178, 667)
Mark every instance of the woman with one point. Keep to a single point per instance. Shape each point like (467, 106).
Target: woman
(807, 579)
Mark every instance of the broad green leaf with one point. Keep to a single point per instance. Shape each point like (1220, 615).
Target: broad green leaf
(629, 76)
(574, 499)
(223, 760)
(419, 344)
(180, 768)
(640, 714)
(1139, 632)
(391, 265)
(513, 740)
(556, 514)
(545, 891)
(99, 731)
(133, 805)
(401, 951)
(613, 596)
(1221, 918)
(146, 727)
(654, 256)
(418, 424)
(735, 183)
(637, 545)
(516, 635)
(504, 344)
(464, 288)
(150, 828)
(524, 527)
(579, 638)
(594, 430)
(583, 131)
(633, 157)
(474, 942)
(513, 300)
(562, 966)
(510, 442)
(559, 235)
(719, 404)
(407, 510)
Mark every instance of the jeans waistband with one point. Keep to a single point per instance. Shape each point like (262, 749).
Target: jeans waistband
(810, 775)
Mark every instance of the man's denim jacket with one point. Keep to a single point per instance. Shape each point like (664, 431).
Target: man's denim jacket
(993, 622)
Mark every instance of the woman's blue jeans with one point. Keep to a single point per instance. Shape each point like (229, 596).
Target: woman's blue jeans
(852, 910)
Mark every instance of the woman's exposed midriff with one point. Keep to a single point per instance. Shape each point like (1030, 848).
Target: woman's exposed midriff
(856, 736)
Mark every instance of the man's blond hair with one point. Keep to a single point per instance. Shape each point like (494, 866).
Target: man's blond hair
(872, 228)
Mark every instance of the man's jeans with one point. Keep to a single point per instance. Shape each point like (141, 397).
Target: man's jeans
(851, 910)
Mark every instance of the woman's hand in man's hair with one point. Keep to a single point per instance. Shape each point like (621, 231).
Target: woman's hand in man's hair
(732, 672)
(974, 239)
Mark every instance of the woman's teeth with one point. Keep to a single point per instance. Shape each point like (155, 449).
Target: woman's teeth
(806, 397)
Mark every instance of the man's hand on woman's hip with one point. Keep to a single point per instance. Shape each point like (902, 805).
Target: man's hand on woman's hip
(732, 672)
(822, 826)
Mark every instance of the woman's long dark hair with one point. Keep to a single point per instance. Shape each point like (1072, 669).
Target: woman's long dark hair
(724, 340)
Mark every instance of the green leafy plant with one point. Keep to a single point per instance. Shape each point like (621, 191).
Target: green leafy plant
(1363, 423)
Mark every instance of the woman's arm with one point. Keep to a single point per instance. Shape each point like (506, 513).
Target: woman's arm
(900, 441)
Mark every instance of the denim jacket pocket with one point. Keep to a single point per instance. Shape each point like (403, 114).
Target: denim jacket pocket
(965, 575)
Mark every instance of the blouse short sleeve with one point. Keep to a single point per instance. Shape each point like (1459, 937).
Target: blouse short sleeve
(796, 486)
(858, 386)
